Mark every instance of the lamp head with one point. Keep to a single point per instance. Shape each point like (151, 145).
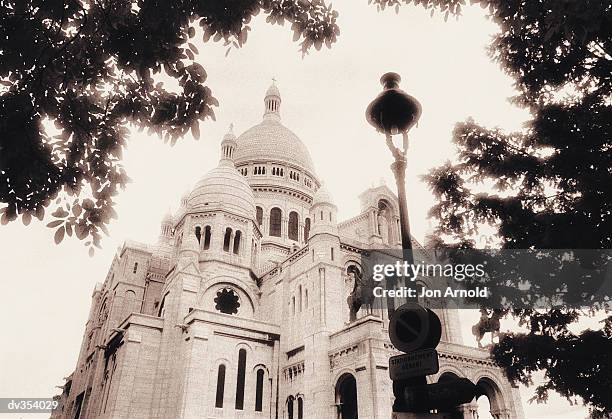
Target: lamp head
(393, 111)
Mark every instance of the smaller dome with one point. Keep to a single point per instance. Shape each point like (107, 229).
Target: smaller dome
(322, 196)
(223, 187)
(230, 136)
(273, 90)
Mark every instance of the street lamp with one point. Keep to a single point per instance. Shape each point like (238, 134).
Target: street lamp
(395, 112)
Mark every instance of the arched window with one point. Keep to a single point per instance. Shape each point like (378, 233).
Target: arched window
(321, 215)
(293, 226)
(300, 408)
(306, 229)
(306, 299)
(259, 390)
(240, 379)
(275, 222)
(237, 237)
(220, 386)
(226, 239)
(198, 233)
(290, 407)
(259, 215)
(206, 237)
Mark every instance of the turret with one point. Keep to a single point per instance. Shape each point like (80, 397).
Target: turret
(272, 102)
(228, 146)
(323, 214)
(167, 223)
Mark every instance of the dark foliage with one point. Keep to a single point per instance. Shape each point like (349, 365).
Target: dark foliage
(550, 184)
(88, 67)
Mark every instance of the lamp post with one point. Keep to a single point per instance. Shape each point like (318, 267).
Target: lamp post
(395, 112)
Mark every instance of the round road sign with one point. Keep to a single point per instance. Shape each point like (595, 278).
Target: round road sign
(413, 327)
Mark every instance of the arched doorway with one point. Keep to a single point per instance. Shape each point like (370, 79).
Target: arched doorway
(483, 407)
(491, 392)
(346, 397)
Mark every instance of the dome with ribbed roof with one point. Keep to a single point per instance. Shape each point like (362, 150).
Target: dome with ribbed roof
(271, 140)
(273, 90)
(322, 196)
(223, 187)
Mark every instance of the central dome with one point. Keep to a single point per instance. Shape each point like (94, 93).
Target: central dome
(271, 140)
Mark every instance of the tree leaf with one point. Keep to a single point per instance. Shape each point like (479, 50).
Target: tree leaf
(76, 209)
(195, 129)
(59, 235)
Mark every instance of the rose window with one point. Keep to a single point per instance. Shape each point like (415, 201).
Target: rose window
(227, 301)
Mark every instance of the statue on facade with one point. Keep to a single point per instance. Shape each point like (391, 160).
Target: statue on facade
(383, 227)
(487, 325)
(362, 294)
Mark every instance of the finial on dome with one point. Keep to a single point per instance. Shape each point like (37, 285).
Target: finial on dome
(272, 102)
(228, 145)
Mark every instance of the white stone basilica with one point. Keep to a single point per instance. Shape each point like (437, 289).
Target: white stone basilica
(240, 309)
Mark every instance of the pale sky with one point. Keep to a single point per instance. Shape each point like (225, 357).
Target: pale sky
(47, 288)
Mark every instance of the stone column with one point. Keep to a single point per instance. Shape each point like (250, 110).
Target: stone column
(469, 410)
(300, 232)
(265, 228)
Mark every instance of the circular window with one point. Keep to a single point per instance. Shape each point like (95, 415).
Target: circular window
(227, 301)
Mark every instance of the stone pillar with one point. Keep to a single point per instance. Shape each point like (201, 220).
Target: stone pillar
(469, 410)
(231, 241)
(284, 227)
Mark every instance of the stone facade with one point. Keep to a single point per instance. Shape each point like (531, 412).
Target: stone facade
(240, 309)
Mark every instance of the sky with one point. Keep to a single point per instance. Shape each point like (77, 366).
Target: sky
(46, 289)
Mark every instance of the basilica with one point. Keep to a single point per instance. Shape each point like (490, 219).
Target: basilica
(243, 309)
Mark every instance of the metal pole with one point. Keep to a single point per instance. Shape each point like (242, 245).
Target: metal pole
(398, 167)
(399, 171)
